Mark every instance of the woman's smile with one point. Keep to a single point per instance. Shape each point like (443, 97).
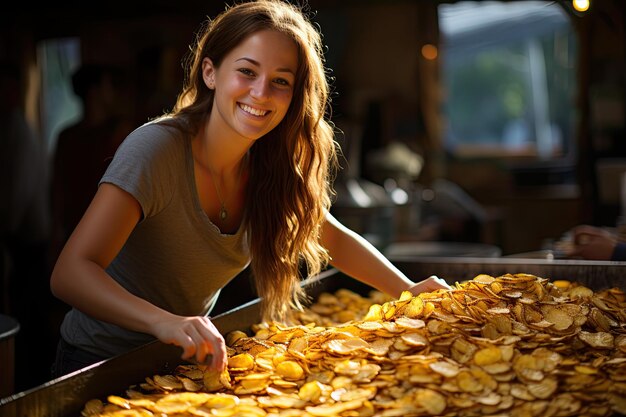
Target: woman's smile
(252, 110)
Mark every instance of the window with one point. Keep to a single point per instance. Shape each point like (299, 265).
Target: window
(58, 58)
(509, 74)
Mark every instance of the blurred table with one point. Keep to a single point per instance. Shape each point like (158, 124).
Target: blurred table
(8, 329)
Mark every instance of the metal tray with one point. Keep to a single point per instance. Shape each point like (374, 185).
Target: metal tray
(66, 396)
(597, 275)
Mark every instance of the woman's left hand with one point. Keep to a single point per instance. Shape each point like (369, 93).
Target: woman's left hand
(432, 283)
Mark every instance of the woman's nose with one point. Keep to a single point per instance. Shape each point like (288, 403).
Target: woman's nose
(260, 88)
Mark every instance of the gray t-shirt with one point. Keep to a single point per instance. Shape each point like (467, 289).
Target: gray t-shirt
(175, 257)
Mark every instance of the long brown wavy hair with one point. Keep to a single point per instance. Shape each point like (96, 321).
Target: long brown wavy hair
(291, 168)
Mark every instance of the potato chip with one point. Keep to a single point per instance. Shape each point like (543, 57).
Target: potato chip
(281, 402)
(119, 401)
(334, 409)
(251, 386)
(241, 362)
(484, 279)
(179, 402)
(414, 339)
(432, 401)
(356, 393)
(580, 291)
(135, 412)
(346, 346)
(409, 323)
(598, 339)
(374, 313)
(214, 380)
(234, 336)
(447, 369)
(93, 407)
(379, 347)
(414, 308)
(487, 356)
(370, 325)
(543, 389)
(311, 391)
(468, 383)
(290, 370)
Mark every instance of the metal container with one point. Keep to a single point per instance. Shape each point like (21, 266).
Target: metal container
(597, 275)
(414, 250)
(9, 327)
(66, 396)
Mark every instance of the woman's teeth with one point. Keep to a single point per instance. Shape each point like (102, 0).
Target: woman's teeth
(252, 110)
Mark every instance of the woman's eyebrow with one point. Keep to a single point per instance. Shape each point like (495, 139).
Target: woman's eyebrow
(256, 63)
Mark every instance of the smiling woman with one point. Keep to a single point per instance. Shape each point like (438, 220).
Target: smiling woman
(237, 174)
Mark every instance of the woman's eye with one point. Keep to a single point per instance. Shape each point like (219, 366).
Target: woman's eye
(282, 82)
(246, 71)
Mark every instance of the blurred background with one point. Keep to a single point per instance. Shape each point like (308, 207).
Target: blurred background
(468, 128)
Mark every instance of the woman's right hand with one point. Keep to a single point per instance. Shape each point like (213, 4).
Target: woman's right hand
(197, 336)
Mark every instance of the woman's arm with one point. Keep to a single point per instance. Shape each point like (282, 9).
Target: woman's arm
(356, 257)
(79, 278)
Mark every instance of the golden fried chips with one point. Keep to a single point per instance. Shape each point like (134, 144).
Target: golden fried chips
(514, 345)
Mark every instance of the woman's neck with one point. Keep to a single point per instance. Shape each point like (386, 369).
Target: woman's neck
(222, 155)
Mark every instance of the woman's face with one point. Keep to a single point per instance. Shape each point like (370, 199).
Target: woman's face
(253, 84)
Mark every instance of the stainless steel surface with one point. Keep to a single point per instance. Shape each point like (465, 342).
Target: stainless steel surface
(596, 275)
(9, 327)
(537, 254)
(441, 249)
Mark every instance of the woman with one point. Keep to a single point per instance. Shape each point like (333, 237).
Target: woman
(238, 173)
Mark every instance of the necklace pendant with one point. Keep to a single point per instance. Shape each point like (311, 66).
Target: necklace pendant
(223, 213)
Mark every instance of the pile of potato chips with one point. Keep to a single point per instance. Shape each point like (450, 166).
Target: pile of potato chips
(513, 345)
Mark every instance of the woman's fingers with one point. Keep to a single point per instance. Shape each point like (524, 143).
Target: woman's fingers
(200, 343)
(185, 339)
(198, 338)
(214, 345)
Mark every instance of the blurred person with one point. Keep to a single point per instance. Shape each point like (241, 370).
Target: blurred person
(24, 229)
(596, 243)
(238, 174)
(85, 148)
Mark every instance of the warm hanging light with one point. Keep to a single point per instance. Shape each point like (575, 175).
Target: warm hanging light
(429, 51)
(581, 5)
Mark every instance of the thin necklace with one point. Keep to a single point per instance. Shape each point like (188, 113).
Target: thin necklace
(223, 211)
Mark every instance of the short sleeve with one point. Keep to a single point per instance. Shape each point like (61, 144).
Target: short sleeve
(147, 165)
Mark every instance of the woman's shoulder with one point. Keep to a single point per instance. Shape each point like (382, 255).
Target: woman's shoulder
(155, 136)
(155, 130)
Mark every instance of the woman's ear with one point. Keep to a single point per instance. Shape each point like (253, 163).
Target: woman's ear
(208, 73)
